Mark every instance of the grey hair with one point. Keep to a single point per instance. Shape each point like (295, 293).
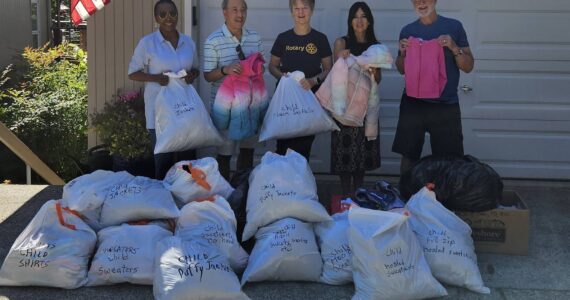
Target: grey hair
(225, 4)
(310, 3)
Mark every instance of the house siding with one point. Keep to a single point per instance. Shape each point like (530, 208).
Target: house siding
(15, 29)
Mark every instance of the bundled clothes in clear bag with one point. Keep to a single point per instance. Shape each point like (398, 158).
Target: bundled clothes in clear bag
(294, 112)
(181, 119)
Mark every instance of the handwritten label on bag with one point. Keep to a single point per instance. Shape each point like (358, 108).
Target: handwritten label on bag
(293, 110)
(270, 192)
(182, 108)
(215, 234)
(200, 264)
(123, 190)
(284, 240)
(35, 256)
(119, 252)
(339, 258)
(441, 243)
(124, 269)
(397, 265)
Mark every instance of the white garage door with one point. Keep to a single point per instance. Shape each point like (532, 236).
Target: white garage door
(517, 116)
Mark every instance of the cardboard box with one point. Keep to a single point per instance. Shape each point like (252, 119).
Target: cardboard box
(501, 230)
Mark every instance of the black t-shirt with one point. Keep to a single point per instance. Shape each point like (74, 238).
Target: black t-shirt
(301, 52)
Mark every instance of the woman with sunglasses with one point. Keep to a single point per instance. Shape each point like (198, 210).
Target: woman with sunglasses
(301, 49)
(352, 154)
(162, 51)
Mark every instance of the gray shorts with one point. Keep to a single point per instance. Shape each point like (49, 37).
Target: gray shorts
(229, 147)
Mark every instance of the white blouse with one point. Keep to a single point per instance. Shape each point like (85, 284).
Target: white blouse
(155, 55)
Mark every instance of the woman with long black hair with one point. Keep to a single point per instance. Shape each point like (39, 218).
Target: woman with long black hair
(352, 154)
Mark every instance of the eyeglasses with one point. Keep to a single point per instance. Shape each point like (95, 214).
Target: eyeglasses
(173, 14)
(240, 53)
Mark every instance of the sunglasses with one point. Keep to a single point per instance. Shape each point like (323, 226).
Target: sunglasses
(173, 14)
(240, 53)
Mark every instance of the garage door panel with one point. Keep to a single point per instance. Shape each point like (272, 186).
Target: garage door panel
(390, 160)
(515, 146)
(523, 66)
(391, 88)
(523, 5)
(519, 96)
(515, 35)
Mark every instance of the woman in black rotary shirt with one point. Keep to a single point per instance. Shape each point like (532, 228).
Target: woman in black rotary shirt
(352, 154)
(301, 49)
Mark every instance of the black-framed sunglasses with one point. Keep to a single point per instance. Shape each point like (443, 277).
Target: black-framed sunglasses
(240, 53)
(173, 14)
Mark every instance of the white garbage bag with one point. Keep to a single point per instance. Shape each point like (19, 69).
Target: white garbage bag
(141, 198)
(188, 270)
(86, 194)
(388, 261)
(53, 250)
(181, 120)
(446, 242)
(294, 111)
(196, 180)
(215, 223)
(335, 249)
(280, 187)
(284, 251)
(126, 253)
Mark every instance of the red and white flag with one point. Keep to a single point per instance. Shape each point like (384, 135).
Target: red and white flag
(83, 9)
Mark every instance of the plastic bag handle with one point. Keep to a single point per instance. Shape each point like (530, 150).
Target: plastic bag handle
(200, 177)
(211, 199)
(59, 211)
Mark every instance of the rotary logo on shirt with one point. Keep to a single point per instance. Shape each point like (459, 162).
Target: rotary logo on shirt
(311, 48)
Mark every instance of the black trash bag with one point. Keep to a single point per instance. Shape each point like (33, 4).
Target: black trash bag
(461, 183)
(99, 158)
(238, 201)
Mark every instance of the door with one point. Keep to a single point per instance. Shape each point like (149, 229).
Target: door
(516, 117)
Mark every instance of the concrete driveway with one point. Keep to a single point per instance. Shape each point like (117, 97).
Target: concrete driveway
(543, 274)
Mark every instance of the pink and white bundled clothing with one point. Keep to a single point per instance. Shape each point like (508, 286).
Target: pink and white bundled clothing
(241, 101)
(425, 69)
(350, 92)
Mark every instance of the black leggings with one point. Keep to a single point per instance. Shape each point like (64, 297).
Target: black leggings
(302, 145)
(163, 161)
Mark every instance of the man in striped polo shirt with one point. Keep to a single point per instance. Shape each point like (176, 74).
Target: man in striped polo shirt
(222, 51)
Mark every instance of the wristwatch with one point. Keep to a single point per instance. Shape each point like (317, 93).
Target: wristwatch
(319, 81)
(460, 52)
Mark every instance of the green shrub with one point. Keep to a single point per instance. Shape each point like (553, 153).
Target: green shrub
(121, 125)
(44, 102)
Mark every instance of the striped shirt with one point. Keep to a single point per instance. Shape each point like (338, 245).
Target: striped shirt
(220, 50)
